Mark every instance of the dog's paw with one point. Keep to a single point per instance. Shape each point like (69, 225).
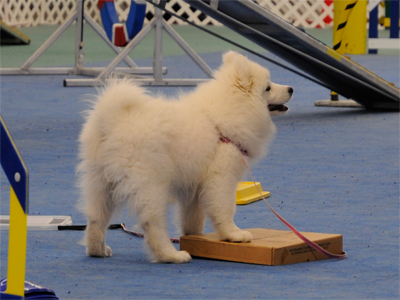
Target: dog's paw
(181, 257)
(99, 251)
(239, 236)
(177, 258)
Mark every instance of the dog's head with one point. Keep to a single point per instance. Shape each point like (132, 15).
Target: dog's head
(252, 79)
(277, 96)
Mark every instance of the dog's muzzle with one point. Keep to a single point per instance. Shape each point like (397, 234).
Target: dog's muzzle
(281, 107)
(278, 107)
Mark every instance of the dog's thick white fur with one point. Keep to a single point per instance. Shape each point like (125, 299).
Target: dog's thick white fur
(145, 152)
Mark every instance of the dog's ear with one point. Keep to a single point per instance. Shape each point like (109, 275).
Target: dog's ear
(243, 73)
(229, 57)
(238, 69)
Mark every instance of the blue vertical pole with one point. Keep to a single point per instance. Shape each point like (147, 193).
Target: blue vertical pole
(394, 19)
(373, 28)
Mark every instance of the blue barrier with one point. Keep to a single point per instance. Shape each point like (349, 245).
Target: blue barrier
(118, 33)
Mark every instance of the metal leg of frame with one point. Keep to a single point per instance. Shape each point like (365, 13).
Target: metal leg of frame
(158, 23)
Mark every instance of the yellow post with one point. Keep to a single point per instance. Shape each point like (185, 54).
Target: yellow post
(16, 247)
(349, 29)
(350, 26)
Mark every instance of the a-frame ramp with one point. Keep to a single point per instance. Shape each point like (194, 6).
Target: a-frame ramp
(12, 36)
(331, 69)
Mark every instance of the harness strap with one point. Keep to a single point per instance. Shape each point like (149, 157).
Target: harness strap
(226, 140)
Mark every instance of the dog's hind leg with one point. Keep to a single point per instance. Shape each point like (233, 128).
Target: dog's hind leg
(99, 210)
(192, 217)
(152, 215)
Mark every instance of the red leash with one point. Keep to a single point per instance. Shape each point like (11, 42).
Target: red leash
(295, 231)
(141, 235)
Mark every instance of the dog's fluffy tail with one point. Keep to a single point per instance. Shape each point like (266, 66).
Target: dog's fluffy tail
(119, 95)
(115, 100)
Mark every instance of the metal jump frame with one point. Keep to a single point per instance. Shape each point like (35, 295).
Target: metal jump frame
(101, 74)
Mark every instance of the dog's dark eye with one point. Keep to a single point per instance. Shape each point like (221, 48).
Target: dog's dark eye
(268, 89)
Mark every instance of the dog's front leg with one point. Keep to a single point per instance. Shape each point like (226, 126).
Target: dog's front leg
(219, 193)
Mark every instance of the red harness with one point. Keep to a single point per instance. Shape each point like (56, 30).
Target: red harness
(226, 140)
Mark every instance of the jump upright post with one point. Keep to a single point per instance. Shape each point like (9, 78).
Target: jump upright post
(349, 37)
(375, 43)
(17, 175)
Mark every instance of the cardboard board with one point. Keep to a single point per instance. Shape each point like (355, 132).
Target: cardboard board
(268, 247)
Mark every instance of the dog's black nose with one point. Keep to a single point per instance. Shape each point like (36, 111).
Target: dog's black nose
(290, 90)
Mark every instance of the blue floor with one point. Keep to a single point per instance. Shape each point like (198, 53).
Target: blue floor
(332, 170)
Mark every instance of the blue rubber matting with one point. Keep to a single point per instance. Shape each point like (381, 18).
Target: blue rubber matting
(333, 170)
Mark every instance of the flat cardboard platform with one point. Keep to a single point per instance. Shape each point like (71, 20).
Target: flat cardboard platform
(268, 247)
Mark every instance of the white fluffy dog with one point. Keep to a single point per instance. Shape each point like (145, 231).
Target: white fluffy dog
(144, 152)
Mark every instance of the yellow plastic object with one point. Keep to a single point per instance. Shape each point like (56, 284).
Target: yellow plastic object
(247, 192)
(385, 22)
